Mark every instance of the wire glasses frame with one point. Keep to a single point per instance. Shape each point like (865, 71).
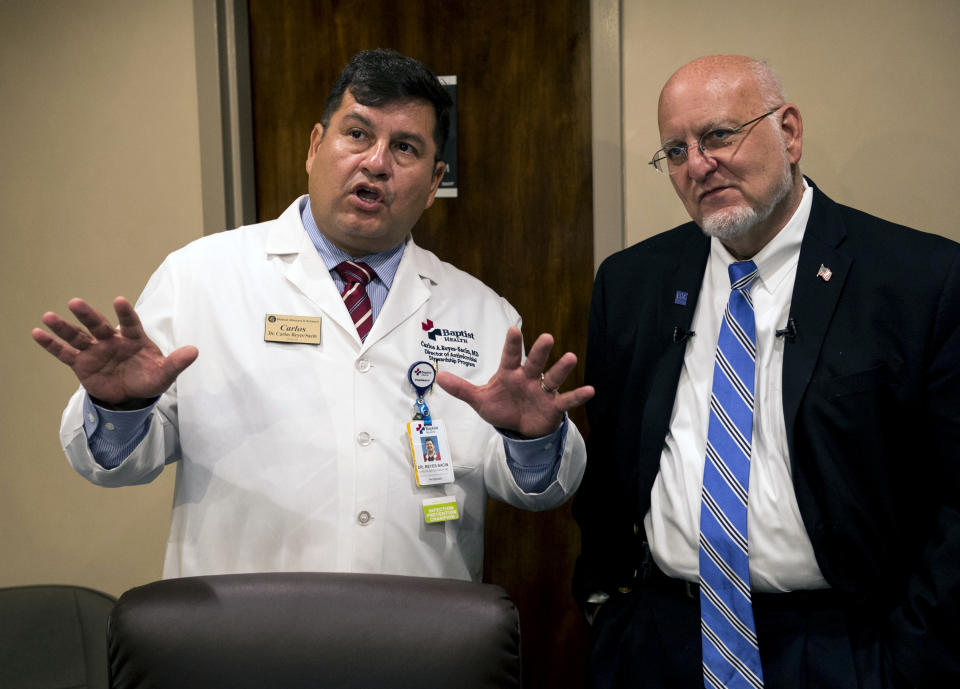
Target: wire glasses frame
(667, 160)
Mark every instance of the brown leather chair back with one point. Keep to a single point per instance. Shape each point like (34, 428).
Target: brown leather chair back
(316, 630)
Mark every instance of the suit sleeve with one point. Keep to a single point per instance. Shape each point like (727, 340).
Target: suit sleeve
(925, 628)
(607, 560)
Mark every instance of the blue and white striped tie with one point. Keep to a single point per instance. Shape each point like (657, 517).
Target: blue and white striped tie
(729, 637)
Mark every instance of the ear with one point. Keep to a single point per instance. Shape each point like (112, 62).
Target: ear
(438, 169)
(791, 128)
(316, 136)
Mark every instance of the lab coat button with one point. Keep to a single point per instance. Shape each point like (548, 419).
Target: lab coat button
(364, 518)
(363, 365)
(363, 438)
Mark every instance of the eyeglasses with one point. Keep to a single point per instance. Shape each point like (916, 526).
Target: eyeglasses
(669, 159)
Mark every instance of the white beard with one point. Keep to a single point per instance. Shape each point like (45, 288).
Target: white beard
(730, 223)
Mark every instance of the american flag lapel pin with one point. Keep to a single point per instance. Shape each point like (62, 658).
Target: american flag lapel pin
(824, 273)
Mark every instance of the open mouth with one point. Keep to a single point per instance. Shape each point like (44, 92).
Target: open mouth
(367, 194)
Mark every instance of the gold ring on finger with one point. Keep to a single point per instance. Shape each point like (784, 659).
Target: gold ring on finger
(545, 388)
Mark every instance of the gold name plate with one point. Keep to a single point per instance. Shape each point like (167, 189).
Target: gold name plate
(299, 329)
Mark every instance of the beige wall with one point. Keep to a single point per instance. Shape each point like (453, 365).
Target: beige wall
(876, 81)
(100, 180)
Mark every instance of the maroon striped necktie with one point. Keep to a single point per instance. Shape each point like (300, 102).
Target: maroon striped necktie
(355, 277)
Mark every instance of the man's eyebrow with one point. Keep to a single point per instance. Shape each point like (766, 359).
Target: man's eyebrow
(360, 118)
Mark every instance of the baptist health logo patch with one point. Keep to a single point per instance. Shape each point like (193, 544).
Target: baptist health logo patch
(446, 334)
(446, 345)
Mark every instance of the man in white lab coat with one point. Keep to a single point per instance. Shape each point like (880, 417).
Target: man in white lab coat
(251, 360)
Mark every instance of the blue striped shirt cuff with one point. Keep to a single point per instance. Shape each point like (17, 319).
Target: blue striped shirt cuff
(535, 463)
(112, 435)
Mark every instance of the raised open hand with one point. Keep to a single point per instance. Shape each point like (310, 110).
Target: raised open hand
(119, 367)
(522, 398)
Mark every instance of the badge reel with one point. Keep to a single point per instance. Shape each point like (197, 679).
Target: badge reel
(432, 463)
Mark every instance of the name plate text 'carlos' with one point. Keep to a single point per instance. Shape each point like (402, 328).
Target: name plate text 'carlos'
(298, 329)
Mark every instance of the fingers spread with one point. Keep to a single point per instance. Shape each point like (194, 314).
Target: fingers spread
(60, 327)
(128, 319)
(179, 359)
(59, 349)
(574, 398)
(559, 371)
(41, 337)
(94, 321)
(457, 386)
(512, 349)
(537, 357)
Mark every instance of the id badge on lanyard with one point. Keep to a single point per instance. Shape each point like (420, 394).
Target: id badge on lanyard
(429, 448)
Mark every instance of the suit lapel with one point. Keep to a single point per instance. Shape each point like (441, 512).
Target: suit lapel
(814, 300)
(680, 290)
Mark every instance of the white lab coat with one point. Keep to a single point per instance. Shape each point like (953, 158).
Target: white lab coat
(294, 457)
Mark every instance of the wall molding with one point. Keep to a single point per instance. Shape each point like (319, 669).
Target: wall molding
(606, 87)
(225, 113)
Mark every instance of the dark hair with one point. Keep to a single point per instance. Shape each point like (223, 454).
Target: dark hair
(379, 77)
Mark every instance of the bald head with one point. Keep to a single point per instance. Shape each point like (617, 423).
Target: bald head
(754, 79)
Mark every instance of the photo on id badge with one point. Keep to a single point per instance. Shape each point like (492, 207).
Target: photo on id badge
(431, 453)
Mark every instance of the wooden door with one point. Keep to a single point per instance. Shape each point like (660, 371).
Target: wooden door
(522, 222)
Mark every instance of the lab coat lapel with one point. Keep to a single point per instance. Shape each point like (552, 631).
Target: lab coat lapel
(306, 270)
(407, 294)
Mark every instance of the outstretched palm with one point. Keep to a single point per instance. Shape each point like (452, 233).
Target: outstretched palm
(116, 366)
(521, 396)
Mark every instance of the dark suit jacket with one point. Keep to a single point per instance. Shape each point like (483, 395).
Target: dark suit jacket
(871, 397)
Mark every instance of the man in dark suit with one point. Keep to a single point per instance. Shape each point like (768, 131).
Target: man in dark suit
(853, 504)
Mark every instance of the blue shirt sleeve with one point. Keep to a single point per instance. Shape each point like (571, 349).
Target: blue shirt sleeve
(534, 463)
(113, 435)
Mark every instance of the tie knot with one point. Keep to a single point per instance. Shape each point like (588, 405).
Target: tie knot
(353, 272)
(742, 274)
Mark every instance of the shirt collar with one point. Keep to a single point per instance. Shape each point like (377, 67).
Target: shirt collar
(384, 263)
